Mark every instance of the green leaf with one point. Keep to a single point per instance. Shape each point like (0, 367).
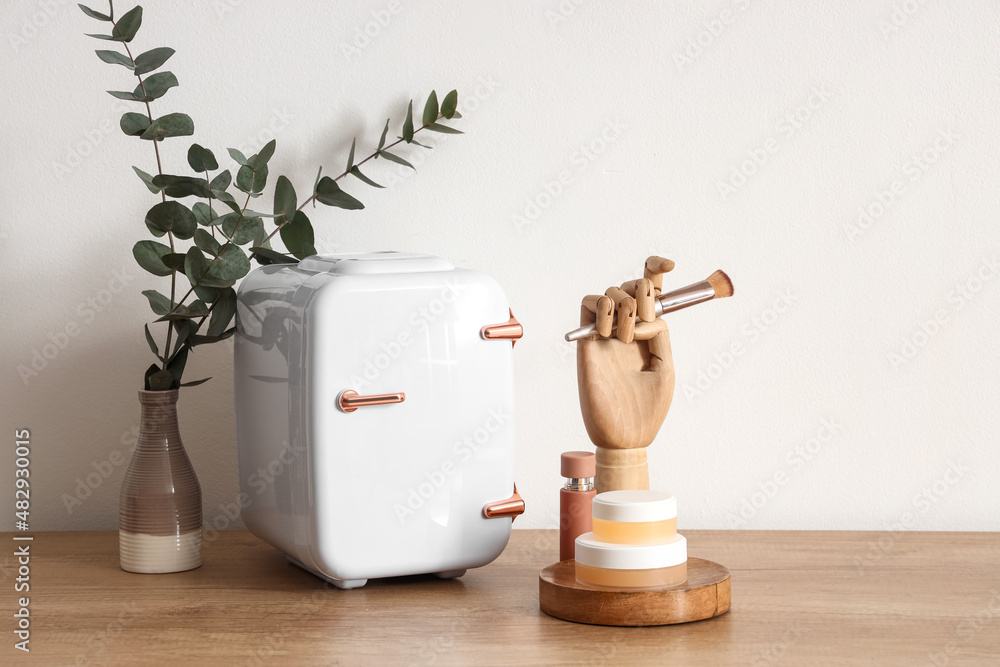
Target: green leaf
(271, 256)
(431, 109)
(250, 181)
(244, 231)
(115, 58)
(231, 265)
(195, 383)
(357, 174)
(171, 125)
(417, 143)
(350, 158)
(395, 158)
(385, 131)
(205, 293)
(259, 161)
(329, 193)
(204, 214)
(159, 380)
(195, 266)
(227, 199)
(127, 25)
(222, 312)
(149, 255)
(238, 156)
(175, 261)
(152, 59)
(201, 159)
(134, 124)
(182, 186)
(201, 340)
(183, 327)
(152, 343)
(148, 180)
(206, 242)
(408, 124)
(221, 180)
(443, 129)
(171, 216)
(156, 86)
(176, 366)
(94, 15)
(159, 303)
(298, 237)
(448, 105)
(122, 95)
(284, 200)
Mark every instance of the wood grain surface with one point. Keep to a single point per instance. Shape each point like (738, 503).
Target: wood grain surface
(799, 598)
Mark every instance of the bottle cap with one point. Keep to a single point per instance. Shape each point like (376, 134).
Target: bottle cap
(578, 465)
(627, 557)
(631, 506)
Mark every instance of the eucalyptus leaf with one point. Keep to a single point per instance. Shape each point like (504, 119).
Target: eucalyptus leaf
(244, 232)
(231, 265)
(161, 380)
(152, 343)
(149, 255)
(159, 303)
(443, 129)
(171, 216)
(329, 193)
(431, 109)
(195, 266)
(182, 186)
(259, 160)
(126, 26)
(183, 328)
(357, 174)
(284, 200)
(385, 131)
(201, 159)
(203, 214)
(206, 242)
(134, 124)
(130, 97)
(222, 312)
(94, 15)
(176, 366)
(448, 104)
(175, 261)
(171, 125)
(408, 124)
(148, 180)
(238, 156)
(152, 59)
(115, 58)
(350, 158)
(195, 383)
(298, 236)
(221, 181)
(251, 181)
(269, 256)
(155, 86)
(206, 293)
(395, 158)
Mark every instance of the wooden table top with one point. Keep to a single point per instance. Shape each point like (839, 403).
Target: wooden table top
(799, 598)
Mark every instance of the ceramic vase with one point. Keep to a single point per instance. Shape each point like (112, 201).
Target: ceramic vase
(159, 512)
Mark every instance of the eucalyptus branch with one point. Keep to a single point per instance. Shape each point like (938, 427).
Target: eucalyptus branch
(214, 266)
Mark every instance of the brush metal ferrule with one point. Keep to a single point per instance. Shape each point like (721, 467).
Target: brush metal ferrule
(665, 303)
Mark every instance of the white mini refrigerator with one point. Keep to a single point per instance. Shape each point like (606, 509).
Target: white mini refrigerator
(375, 414)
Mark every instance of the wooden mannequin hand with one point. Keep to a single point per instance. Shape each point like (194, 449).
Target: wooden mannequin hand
(626, 377)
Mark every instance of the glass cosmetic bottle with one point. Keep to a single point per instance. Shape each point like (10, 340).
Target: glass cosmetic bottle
(575, 500)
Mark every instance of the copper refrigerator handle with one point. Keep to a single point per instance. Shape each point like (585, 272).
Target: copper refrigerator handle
(350, 400)
(511, 507)
(510, 330)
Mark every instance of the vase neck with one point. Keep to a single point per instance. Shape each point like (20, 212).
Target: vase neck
(158, 421)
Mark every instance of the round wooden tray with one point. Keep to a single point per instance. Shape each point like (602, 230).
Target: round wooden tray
(705, 594)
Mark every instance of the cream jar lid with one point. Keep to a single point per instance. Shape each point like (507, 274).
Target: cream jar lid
(634, 506)
(630, 557)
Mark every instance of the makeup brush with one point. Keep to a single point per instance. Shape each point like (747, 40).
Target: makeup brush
(716, 286)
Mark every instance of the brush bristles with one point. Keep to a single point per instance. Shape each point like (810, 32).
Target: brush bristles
(721, 283)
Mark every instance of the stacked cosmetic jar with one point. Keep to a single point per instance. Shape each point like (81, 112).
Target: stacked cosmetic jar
(634, 543)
